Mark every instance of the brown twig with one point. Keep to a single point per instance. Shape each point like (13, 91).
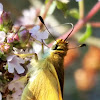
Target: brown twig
(46, 10)
(81, 9)
(95, 24)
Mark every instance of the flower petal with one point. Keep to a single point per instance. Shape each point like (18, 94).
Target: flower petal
(20, 60)
(37, 47)
(17, 86)
(9, 58)
(19, 69)
(42, 35)
(1, 9)
(2, 36)
(10, 68)
(14, 63)
(38, 35)
(45, 35)
(34, 30)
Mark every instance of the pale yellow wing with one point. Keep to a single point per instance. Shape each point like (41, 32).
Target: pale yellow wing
(43, 85)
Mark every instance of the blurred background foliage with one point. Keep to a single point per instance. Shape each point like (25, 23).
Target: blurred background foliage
(82, 66)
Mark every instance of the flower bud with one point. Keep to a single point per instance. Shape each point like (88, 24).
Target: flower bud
(24, 35)
(5, 47)
(16, 37)
(1, 24)
(6, 21)
(1, 21)
(12, 37)
(6, 17)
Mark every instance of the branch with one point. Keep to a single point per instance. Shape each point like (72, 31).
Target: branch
(82, 22)
(95, 24)
(46, 10)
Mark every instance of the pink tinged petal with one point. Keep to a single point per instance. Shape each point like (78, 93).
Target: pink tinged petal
(10, 68)
(14, 63)
(39, 39)
(18, 68)
(16, 37)
(6, 47)
(34, 30)
(9, 58)
(38, 35)
(18, 87)
(1, 20)
(2, 36)
(25, 12)
(20, 60)
(10, 35)
(44, 35)
(16, 77)
(37, 47)
(0, 96)
(1, 9)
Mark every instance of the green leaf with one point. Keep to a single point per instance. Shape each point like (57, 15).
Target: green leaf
(73, 13)
(1, 53)
(64, 1)
(46, 1)
(6, 67)
(87, 33)
(2, 56)
(62, 6)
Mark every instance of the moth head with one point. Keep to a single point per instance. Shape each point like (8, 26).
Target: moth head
(60, 46)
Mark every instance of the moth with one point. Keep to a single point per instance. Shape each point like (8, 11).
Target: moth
(46, 80)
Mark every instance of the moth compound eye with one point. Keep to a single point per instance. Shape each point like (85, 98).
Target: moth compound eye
(57, 47)
(54, 47)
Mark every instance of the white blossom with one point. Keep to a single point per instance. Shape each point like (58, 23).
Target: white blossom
(28, 18)
(1, 9)
(14, 63)
(37, 48)
(2, 36)
(36, 34)
(16, 86)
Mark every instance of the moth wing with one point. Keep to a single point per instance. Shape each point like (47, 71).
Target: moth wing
(44, 85)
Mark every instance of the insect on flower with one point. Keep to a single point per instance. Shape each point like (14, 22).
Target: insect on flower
(46, 80)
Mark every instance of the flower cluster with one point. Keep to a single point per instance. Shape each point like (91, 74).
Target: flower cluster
(16, 49)
(26, 19)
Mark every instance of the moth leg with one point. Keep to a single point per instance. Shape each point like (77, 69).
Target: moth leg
(36, 57)
(42, 47)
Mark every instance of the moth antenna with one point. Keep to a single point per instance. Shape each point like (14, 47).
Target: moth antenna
(70, 31)
(41, 19)
(82, 45)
